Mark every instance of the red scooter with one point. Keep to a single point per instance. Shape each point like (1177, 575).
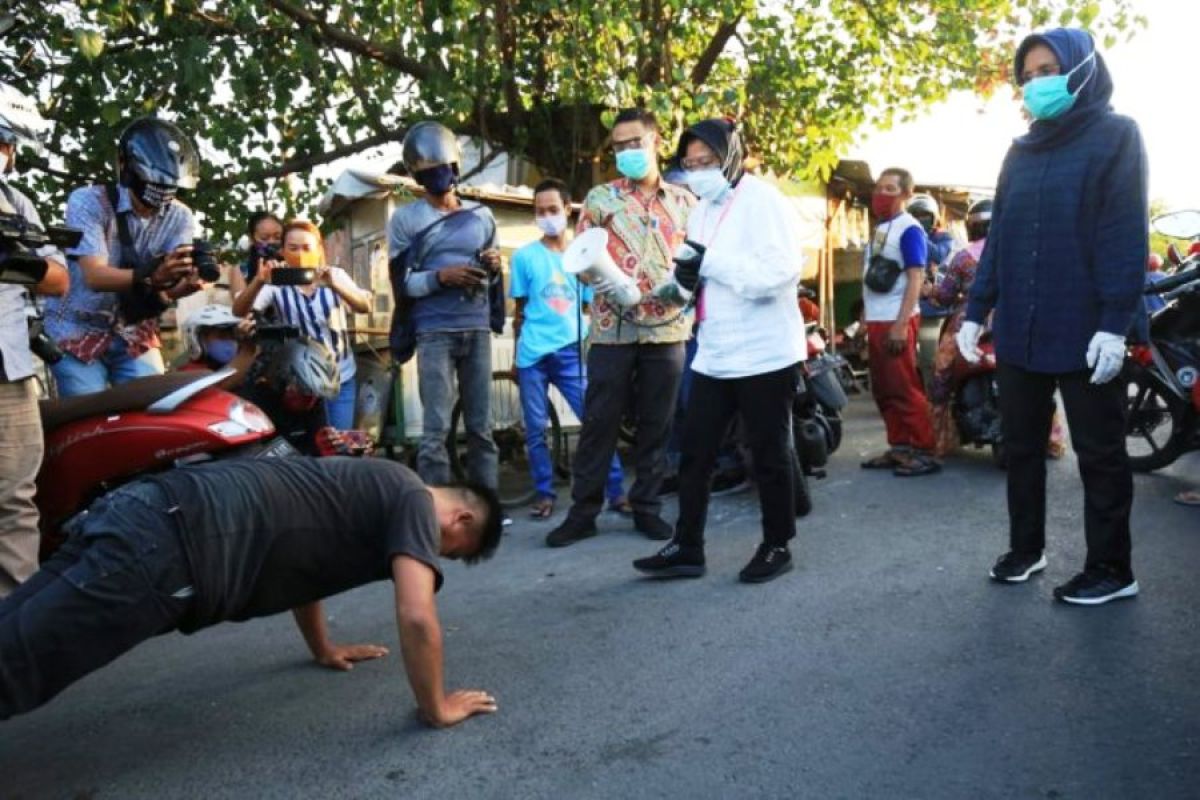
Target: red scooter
(96, 442)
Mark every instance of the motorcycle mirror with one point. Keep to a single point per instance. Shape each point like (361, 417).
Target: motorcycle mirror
(1173, 255)
(1178, 224)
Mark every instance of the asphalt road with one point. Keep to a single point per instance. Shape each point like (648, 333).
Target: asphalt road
(885, 666)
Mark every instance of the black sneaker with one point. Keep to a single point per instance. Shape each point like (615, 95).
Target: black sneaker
(1017, 567)
(1096, 586)
(768, 563)
(653, 526)
(673, 561)
(571, 530)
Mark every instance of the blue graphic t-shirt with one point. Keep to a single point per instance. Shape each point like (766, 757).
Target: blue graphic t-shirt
(552, 313)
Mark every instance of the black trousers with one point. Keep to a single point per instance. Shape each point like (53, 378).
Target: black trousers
(764, 403)
(648, 376)
(119, 579)
(1096, 417)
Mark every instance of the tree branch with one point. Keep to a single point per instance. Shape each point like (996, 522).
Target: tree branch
(708, 59)
(390, 55)
(307, 161)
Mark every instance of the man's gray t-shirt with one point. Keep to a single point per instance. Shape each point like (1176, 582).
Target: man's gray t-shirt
(16, 362)
(455, 242)
(265, 536)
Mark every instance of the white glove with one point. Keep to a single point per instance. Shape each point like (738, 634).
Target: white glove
(602, 285)
(1105, 354)
(967, 340)
(614, 293)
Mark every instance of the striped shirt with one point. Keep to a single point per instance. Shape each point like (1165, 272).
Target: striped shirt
(320, 315)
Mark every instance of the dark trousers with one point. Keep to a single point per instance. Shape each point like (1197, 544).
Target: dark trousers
(648, 376)
(1096, 417)
(764, 403)
(120, 578)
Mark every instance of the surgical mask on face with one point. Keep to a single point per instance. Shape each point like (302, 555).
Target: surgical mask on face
(221, 351)
(883, 206)
(634, 164)
(707, 184)
(308, 259)
(552, 225)
(437, 180)
(1049, 96)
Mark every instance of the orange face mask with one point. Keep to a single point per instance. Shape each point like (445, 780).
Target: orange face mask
(302, 258)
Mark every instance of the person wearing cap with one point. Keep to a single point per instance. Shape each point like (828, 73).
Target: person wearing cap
(742, 262)
(20, 422)
(1062, 276)
(134, 258)
(636, 354)
(445, 270)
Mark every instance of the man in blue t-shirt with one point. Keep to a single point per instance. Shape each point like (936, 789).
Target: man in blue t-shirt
(549, 329)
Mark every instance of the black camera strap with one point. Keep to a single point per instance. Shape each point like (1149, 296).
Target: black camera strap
(142, 302)
(122, 217)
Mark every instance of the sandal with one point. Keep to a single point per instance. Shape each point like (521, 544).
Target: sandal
(888, 460)
(542, 508)
(916, 466)
(621, 505)
(1189, 498)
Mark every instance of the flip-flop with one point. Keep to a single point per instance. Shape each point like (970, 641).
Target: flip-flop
(1189, 498)
(886, 461)
(542, 509)
(916, 467)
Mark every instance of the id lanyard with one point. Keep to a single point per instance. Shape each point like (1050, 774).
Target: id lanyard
(710, 238)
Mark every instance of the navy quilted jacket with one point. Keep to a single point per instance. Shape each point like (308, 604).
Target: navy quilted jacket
(1066, 253)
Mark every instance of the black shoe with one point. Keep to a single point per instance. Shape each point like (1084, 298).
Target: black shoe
(1096, 586)
(653, 526)
(1017, 567)
(673, 561)
(768, 563)
(571, 530)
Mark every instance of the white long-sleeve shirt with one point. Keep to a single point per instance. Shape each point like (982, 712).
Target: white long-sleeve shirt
(752, 322)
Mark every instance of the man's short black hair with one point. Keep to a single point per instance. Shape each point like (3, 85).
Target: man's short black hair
(257, 217)
(485, 500)
(554, 185)
(641, 115)
(902, 175)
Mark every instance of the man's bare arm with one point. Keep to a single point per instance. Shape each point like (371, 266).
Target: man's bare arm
(421, 645)
(311, 621)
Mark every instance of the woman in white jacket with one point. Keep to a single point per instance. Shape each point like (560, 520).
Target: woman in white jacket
(744, 269)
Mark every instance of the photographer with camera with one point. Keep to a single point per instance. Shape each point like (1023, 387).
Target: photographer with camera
(265, 231)
(20, 423)
(137, 255)
(306, 292)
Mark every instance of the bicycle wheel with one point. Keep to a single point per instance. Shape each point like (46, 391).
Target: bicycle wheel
(514, 482)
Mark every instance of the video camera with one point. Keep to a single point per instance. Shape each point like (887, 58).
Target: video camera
(19, 241)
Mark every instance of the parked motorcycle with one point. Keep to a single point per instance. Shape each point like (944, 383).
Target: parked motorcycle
(1162, 375)
(976, 403)
(817, 409)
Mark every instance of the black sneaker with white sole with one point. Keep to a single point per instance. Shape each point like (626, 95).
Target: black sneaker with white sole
(1017, 567)
(768, 563)
(1096, 586)
(673, 561)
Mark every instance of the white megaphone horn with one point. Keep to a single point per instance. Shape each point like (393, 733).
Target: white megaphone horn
(588, 255)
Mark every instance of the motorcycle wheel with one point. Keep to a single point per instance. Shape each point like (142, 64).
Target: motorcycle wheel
(1156, 425)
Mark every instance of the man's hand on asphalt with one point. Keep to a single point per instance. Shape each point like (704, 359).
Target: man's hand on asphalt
(343, 657)
(461, 704)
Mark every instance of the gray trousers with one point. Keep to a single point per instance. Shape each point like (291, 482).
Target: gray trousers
(442, 358)
(646, 377)
(20, 459)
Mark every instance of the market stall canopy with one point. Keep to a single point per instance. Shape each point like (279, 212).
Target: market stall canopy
(357, 184)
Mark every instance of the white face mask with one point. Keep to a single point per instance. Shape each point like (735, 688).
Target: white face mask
(707, 184)
(552, 225)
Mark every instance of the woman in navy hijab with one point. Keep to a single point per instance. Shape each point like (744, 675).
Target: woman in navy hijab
(1062, 274)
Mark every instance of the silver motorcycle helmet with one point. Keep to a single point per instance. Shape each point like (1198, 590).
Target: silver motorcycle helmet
(310, 367)
(428, 145)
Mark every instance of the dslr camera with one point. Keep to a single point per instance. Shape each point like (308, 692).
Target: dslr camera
(204, 259)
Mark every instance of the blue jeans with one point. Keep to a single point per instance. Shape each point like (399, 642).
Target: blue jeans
(115, 366)
(442, 357)
(339, 412)
(562, 370)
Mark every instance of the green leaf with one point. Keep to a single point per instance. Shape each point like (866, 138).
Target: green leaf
(89, 43)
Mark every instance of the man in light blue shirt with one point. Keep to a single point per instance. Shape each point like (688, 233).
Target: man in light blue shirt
(549, 329)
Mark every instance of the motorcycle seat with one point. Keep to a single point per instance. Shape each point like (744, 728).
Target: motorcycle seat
(136, 395)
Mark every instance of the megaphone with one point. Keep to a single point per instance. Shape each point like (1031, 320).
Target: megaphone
(588, 255)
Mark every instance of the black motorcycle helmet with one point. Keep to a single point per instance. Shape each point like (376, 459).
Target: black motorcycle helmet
(155, 159)
(979, 219)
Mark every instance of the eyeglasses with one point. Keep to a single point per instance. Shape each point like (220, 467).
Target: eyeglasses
(628, 144)
(1044, 71)
(703, 162)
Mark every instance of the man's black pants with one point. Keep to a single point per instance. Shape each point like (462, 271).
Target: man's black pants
(1096, 417)
(764, 403)
(647, 374)
(119, 579)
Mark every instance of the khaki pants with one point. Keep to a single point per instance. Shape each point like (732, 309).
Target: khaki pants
(20, 458)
